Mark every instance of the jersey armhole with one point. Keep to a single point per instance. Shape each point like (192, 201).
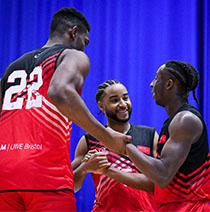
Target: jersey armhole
(86, 139)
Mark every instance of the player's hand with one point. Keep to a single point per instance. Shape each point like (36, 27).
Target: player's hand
(89, 154)
(117, 142)
(96, 162)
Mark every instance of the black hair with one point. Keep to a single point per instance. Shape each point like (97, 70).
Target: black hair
(67, 18)
(103, 86)
(187, 76)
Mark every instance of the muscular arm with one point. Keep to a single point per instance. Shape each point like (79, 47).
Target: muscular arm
(72, 69)
(80, 169)
(97, 163)
(184, 130)
(134, 180)
(79, 174)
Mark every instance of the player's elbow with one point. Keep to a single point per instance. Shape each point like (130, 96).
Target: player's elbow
(162, 185)
(163, 181)
(56, 95)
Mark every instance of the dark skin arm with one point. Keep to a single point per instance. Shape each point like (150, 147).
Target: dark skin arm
(95, 162)
(98, 164)
(134, 180)
(72, 69)
(184, 130)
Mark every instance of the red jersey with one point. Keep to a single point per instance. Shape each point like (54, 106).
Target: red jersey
(35, 136)
(112, 195)
(190, 188)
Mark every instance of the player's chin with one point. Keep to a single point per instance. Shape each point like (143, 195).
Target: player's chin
(124, 119)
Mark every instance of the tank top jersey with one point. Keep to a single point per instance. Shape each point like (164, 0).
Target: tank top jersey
(35, 136)
(192, 181)
(111, 195)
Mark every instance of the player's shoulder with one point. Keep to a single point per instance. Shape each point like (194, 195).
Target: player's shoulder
(74, 56)
(74, 53)
(90, 137)
(19, 63)
(186, 121)
(186, 117)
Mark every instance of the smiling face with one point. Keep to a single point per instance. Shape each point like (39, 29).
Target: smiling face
(116, 103)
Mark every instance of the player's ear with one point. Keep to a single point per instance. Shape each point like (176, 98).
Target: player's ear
(73, 32)
(169, 84)
(101, 105)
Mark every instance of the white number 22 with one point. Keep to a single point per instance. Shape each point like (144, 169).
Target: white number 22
(22, 87)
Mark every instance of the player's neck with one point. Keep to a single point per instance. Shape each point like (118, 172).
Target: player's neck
(54, 41)
(122, 127)
(172, 107)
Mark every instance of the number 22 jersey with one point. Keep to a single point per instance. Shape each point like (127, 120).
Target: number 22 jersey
(34, 135)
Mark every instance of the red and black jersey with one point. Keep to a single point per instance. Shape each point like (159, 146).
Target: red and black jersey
(192, 181)
(112, 195)
(34, 135)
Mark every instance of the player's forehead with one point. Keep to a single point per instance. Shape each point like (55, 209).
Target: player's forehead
(161, 72)
(161, 68)
(116, 90)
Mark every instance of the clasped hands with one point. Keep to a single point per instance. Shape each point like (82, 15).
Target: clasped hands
(96, 162)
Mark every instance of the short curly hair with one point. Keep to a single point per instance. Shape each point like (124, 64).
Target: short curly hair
(67, 18)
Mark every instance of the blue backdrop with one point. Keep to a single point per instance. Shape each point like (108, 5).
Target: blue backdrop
(129, 40)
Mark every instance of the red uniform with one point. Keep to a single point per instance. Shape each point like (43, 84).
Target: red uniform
(112, 195)
(190, 188)
(34, 135)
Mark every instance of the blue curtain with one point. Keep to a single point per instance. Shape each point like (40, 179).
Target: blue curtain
(129, 40)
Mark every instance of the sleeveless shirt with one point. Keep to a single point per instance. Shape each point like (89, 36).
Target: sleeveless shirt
(112, 195)
(35, 136)
(192, 181)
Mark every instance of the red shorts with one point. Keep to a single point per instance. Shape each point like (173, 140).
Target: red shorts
(38, 201)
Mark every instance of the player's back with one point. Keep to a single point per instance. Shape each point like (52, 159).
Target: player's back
(34, 135)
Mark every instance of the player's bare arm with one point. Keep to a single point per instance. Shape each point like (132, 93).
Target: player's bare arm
(72, 68)
(182, 136)
(94, 162)
(79, 173)
(134, 180)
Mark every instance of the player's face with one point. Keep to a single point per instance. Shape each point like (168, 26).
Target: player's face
(116, 103)
(158, 85)
(82, 41)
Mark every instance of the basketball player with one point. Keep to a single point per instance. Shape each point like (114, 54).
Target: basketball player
(117, 180)
(181, 172)
(40, 97)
